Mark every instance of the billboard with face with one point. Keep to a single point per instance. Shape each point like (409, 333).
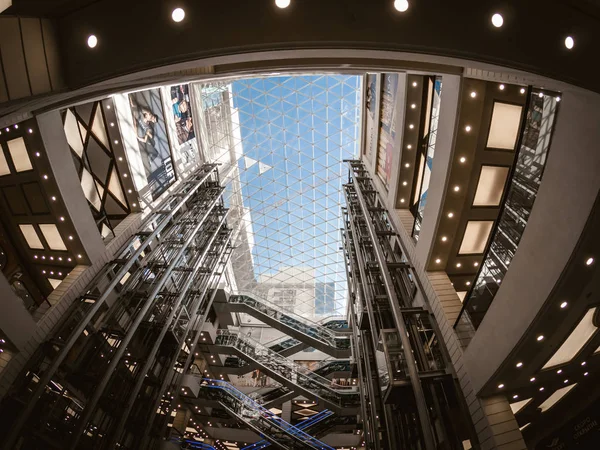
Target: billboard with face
(149, 125)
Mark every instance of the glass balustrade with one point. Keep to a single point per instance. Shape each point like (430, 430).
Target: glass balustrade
(301, 376)
(285, 435)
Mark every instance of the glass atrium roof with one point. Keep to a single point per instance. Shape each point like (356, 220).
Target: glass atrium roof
(281, 141)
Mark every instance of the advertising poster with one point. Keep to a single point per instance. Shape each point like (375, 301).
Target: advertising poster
(149, 124)
(182, 113)
(371, 109)
(387, 134)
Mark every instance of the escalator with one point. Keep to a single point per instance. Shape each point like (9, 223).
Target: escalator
(267, 424)
(342, 399)
(323, 338)
(304, 425)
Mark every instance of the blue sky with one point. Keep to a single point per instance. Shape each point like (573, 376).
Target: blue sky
(296, 130)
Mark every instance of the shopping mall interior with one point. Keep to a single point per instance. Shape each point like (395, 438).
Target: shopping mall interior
(299, 224)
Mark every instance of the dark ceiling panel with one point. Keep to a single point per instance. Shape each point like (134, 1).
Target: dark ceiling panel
(35, 198)
(15, 200)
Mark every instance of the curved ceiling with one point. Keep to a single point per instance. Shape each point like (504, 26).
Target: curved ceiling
(143, 36)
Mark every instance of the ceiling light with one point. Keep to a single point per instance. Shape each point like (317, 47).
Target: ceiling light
(589, 262)
(566, 381)
(500, 386)
(497, 20)
(404, 183)
(282, 3)
(45, 177)
(450, 215)
(414, 84)
(62, 219)
(444, 238)
(558, 99)
(401, 5)
(540, 337)
(468, 128)
(401, 200)
(475, 264)
(413, 106)
(473, 94)
(437, 261)
(585, 374)
(53, 198)
(92, 41)
(409, 146)
(519, 364)
(542, 388)
(407, 165)
(458, 264)
(501, 87)
(532, 379)
(456, 188)
(411, 126)
(559, 371)
(522, 90)
(583, 363)
(463, 159)
(178, 15)
(541, 95)
(563, 305)
(79, 256)
(37, 154)
(468, 283)
(569, 42)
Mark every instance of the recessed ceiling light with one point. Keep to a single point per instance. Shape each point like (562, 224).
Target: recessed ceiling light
(563, 305)
(559, 371)
(401, 5)
(411, 126)
(404, 183)
(542, 388)
(585, 374)
(178, 15)
(532, 379)
(569, 42)
(515, 396)
(463, 159)
(501, 87)
(282, 3)
(558, 99)
(497, 20)
(456, 188)
(583, 363)
(413, 106)
(401, 200)
(500, 386)
(475, 264)
(566, 381)
(519, 364)
(451, 215)
(540, 337)
(62, 219)
(522, 90)
(37, 154)
(409, 146)
(45, 177)
(92, 41)
(31, 131)
(437, 261)
(541, 95)
(473, 94)
(468, 283)
(458, 265)
(414, 84)
(407, 165)
(444, 238)
(589, 261)
(468, 128)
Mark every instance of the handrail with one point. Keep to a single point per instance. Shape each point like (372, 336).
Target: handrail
(273, 420)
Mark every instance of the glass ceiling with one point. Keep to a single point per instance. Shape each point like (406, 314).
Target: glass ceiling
(281, 141)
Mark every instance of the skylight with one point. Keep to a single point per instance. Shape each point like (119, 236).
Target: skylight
(287, 137)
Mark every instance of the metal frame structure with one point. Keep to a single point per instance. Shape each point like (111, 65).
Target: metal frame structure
(407, 382)
(108, 364)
